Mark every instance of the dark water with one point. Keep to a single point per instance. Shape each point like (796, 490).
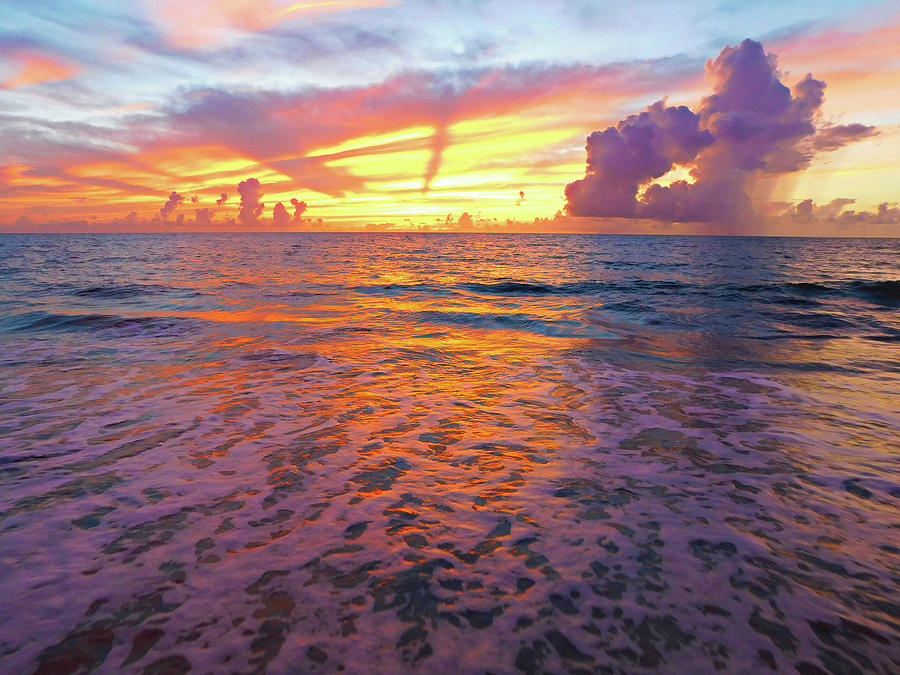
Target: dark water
(449, 453)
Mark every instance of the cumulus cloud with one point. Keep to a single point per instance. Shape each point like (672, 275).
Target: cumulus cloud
(251, 207)
(752, 125)
(173, 202)
(836, 211)
(203, 217)
(299, 209)
(280, 216)
(639, 148)
(222, 199)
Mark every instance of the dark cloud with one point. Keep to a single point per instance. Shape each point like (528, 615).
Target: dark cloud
(251, 207)
(750, 126)
(173, 202)
(838, 135)
(222, 199)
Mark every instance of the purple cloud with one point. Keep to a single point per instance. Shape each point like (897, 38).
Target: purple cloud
(751, 125)
(838, 135)
(639, 148)
(835, 211)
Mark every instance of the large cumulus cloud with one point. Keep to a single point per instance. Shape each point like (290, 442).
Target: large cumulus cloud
(750, 126)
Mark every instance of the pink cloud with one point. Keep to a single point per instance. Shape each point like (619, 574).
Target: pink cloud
(206, 23)
(31, 67)
(250, 191)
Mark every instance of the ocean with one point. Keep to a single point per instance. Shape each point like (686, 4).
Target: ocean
(449, 453)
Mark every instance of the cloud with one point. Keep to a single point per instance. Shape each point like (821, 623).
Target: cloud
(839, 135)
(207, 23)
(222, 199)
(299, 209)
(835, 211)
(641, 147)
(203, 217)
(285, 131)
(251, 207)
(440, 139)
(280, 217)
(173, 202)
(31, 67)
(752, 125)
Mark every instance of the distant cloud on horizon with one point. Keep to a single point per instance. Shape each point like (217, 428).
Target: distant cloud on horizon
(172, 203)
(250, 191)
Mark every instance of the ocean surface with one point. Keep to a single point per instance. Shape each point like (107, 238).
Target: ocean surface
(449, 453)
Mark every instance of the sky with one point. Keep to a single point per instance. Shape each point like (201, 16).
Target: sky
(771, 117)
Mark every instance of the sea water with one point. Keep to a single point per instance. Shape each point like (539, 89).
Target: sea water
(449, 453)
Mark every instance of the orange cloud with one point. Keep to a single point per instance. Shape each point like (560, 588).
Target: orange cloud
(370, 149)
(33, 68)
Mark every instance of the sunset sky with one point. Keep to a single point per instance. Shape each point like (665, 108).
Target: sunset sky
(437, 114)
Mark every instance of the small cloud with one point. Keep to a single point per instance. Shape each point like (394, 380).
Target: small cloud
(836, 211)
(31, 67)
(174, 201)
(839, 135)
(299, 210)
(222, 199)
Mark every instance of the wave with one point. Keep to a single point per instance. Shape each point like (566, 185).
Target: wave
(558, 328)
(513, 288)
(124, 325)
(878, 291)
(789, 293)
(113, 291)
